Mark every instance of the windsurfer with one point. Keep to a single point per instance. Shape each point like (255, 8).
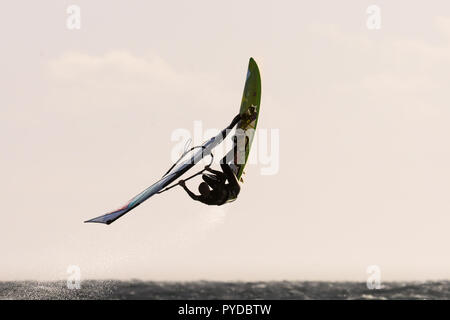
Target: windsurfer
(214, 190)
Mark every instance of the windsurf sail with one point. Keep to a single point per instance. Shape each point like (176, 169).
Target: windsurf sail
(167, 179)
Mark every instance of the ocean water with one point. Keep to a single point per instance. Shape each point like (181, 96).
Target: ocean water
(135, 289)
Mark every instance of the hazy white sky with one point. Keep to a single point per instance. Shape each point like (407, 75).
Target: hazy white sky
(363, 117)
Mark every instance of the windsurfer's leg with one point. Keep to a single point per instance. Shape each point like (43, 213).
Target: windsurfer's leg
(231, 156)
(232, 179)
(212, 182)
(218, 174)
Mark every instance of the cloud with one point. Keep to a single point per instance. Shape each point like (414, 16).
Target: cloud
(121, 79)
(73, 66)
(385, 64)
(443, 25)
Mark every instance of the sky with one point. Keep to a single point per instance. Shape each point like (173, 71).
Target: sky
(355, 171)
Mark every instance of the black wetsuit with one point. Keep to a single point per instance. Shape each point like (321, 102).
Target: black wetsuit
(221, 191)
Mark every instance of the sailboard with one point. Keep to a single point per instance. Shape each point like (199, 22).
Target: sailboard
(249, 111)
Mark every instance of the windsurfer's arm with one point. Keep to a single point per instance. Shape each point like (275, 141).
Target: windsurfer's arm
(227, 130)
(189, 192)
(213, 171)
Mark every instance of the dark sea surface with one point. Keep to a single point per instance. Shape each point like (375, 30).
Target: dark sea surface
(95, 289)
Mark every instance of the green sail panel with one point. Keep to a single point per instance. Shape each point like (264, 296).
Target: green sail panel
(249, 112)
